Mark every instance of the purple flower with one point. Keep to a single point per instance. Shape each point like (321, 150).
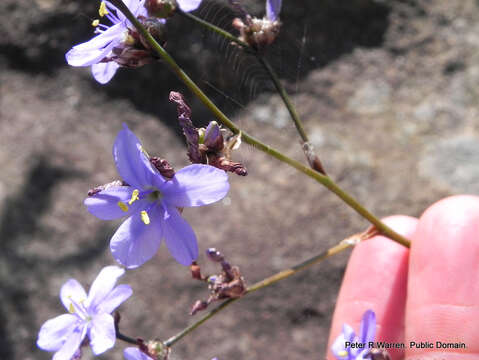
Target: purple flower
(132, 353)
(273, 7)
(88, 315)
(99, 51)
(367, 331)
(151, 203)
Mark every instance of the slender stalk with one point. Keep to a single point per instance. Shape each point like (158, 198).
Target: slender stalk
(216, 29)
(277, 83)
(284, 96)
(324, 180)
(343, 245)
(125, 338)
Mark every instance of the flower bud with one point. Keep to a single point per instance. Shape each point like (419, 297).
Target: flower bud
(160, 8)
(258, 33)
(213, 138)
(198, 306)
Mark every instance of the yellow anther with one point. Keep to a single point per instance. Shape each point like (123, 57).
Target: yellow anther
(134, 196)
(71, 308)
(95, 23)
(342, 353)
(122, 206)
(103, 10)
(144, 217)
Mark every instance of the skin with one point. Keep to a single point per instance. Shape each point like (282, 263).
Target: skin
(428, 293)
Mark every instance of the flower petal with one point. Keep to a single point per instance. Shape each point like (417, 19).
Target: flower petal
(134, 243)
(115, 298)
(71, 345)
(196, 185)
(132, 163)
(103, 285)
(367, 329)
(104, 205)
(102, 333)
(179, 237)
(188, 5)
(338, 348)
(273, 8)
(132, 353)
(72, 290)
(93, 51)
(103, 72)
(54, 332)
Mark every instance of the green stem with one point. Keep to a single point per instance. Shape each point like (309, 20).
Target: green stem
(343, 245)
(125, 338)
(216, 29)
(284, 96)
(249, 139)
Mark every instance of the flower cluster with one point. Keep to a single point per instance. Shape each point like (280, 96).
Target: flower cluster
(259, 33)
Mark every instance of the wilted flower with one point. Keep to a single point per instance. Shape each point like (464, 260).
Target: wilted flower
(88, 315)
(151, 203)
(259, 33)
(207, 146)
(367, 331)
(114, 45)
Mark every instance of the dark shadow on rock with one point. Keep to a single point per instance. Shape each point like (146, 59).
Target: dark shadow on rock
(313, 34)
(20, 224)
(20, 221)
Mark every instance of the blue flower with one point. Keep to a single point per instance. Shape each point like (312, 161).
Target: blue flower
(273, 8)
(367, 331)
(118, 44)
(99, 51)
(151, 203)
(88, 315)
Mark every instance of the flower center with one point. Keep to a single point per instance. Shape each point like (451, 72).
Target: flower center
(78, 308)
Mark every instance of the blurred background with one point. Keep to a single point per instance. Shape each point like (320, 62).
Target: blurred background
(388, 94)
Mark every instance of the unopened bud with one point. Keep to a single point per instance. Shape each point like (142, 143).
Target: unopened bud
(160, 8)
(198, 306)
(163, 166)
(156, 28)
(213, 138)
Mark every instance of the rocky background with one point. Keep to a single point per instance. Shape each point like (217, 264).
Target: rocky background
(387, 91)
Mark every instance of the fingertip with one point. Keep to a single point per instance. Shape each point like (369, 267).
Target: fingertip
(443, 277)
(376, 278)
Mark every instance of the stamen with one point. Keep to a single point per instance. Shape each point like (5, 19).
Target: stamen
(144, 217)
(95, 23)
(342, 353)
(71, 309)
(122, 206)
(134, 196)
(103, 10)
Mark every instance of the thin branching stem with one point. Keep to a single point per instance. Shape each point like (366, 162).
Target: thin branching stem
(266, 65)
(249, 139)
(343, 245)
